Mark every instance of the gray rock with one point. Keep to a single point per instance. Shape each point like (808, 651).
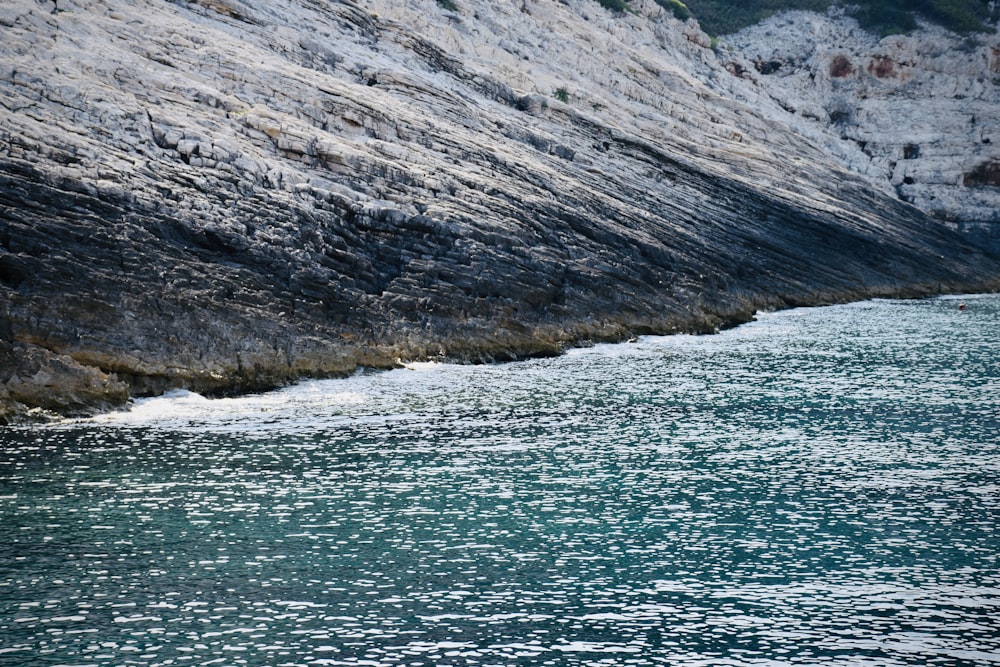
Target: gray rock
(210, 196)
(918, 114)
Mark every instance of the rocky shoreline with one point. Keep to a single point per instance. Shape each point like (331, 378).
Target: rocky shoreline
(204, 195)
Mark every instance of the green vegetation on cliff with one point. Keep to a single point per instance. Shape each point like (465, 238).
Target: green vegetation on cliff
(720, 17)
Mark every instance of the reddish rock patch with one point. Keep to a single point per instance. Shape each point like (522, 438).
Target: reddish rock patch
(882, 67)
(841, 67)
(986, 174)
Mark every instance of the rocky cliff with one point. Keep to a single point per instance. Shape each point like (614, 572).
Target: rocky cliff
(918, 114)
(228, 195)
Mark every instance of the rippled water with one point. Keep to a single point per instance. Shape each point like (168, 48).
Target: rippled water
(821, 486)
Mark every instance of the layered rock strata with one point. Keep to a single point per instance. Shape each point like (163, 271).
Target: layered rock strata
(918, 114)
(227, 196)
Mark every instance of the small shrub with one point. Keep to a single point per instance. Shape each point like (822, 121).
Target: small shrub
(614, 5)
(448, 5)
(885, 20)
(678, 8)
(882, 17)
(561, 94)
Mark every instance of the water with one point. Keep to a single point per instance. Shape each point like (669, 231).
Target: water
(820, 487)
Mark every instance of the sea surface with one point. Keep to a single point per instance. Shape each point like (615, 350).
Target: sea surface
(818, 487)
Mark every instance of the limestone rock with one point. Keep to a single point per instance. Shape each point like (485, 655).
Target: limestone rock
(917, 113)
(36, 383)
(227, 197)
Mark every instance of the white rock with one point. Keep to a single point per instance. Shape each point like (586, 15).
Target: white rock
(933, 95)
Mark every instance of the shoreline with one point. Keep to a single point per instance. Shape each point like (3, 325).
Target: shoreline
(14, 413)
(230, 202)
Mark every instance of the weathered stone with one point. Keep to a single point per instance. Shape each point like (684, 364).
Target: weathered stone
(930, 89)
(202, 195)
(37, 383)
(986, 174)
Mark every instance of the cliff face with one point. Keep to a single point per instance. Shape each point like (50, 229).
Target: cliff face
(918, 114)
(226, 196)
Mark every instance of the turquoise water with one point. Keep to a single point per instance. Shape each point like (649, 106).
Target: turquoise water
(819, 487)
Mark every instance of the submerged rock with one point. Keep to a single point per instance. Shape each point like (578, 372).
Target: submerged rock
(226, 198)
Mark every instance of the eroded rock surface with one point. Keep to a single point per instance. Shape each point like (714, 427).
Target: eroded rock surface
(227, 196)
(917, 113)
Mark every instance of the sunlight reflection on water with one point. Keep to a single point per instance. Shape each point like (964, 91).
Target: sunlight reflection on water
(817, 487)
